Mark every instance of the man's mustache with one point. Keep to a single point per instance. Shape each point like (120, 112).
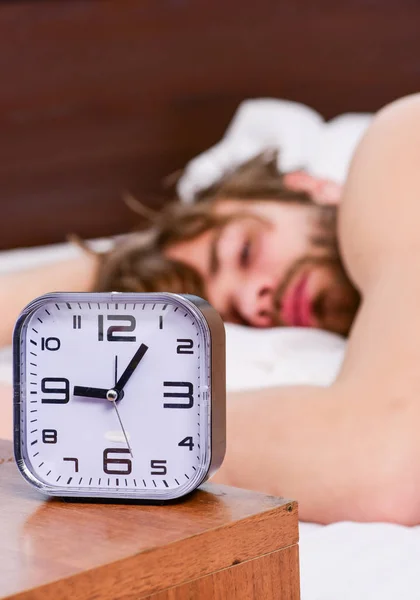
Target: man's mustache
(307, 262)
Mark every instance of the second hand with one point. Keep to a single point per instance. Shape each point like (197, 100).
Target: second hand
(113, 398)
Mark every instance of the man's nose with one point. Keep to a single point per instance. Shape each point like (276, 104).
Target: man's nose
(256, 303)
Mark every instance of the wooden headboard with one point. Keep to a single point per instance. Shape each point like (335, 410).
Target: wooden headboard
(98, 97)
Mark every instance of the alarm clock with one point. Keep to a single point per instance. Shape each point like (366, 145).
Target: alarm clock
(119, 395)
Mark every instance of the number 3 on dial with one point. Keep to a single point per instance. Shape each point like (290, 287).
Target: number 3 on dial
(188, 394)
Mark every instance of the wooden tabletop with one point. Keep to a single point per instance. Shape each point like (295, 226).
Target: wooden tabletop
(51, 546)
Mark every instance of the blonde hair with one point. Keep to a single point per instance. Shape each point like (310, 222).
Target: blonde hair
(138, 262)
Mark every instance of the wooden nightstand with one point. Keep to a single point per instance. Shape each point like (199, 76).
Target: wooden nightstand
(221, 544)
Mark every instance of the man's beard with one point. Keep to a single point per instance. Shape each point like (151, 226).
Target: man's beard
(336, 301)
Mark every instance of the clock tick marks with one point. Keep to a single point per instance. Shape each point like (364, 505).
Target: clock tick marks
(69, 305)
(58, 308)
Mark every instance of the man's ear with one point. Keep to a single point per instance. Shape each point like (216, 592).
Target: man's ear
(322, 191)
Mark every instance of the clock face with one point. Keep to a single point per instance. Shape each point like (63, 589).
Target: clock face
(114, 395)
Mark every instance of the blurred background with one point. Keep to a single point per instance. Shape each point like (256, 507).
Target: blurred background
(102, 97)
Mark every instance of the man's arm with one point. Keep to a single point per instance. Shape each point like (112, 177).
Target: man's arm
(351, 451)
(295, 442)
(17, 289)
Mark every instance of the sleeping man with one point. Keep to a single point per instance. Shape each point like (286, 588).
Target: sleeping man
(268, 249)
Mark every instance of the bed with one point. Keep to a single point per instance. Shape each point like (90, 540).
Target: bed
(100, 100)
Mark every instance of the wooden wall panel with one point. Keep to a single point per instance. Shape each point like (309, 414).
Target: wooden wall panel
(102, 96)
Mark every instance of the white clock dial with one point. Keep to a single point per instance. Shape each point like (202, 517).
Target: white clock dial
(115, 395)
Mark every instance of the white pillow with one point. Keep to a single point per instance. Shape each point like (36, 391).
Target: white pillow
(257, 358)
(304, 139)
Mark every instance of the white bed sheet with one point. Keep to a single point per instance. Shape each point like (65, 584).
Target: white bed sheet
(342, 561)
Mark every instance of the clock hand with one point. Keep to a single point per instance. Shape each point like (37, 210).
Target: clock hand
(132, 365)
(102, 393)
(112, 396)
(90, 392)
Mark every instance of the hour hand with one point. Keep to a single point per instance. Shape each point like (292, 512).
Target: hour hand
(90, 392)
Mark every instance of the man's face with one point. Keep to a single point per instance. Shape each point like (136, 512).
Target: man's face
(270, 264)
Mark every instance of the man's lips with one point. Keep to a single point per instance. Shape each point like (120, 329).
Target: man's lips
(296, 309)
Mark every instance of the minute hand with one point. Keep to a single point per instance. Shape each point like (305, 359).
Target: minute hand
(132, 365)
